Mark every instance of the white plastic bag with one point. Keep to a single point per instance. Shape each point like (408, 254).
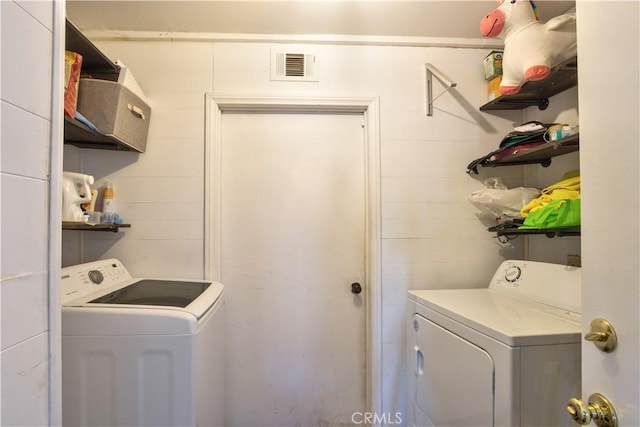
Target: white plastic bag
(500, 202)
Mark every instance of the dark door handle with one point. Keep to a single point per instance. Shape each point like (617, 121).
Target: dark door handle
(356, 288)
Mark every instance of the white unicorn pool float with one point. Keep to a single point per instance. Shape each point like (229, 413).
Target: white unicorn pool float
(531, 49)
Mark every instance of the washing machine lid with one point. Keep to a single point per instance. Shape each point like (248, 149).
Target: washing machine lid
(512, 321)
(194, 297)
(127, 311)
(170, 293)
(107, 285)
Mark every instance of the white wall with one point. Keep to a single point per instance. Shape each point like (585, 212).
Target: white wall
(161, 191)
(431, 236)
(26, 122)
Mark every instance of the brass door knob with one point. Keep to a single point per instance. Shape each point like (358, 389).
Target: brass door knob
(599, 410)
(602, 335)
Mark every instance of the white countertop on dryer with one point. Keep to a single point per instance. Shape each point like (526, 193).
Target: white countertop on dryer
(513, 321)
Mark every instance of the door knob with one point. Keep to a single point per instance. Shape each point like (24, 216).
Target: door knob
(599, 410)
(356, 288)
(602, 335)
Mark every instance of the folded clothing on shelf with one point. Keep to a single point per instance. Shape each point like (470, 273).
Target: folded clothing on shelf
(515, 149)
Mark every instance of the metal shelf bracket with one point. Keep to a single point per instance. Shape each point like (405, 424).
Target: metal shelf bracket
(432, 71)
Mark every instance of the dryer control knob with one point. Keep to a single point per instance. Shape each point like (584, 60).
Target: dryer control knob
(513, 273)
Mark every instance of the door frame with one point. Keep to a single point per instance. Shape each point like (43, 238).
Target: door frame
(215, 106)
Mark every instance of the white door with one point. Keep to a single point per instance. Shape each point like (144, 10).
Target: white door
(293, 242)
(609, 137)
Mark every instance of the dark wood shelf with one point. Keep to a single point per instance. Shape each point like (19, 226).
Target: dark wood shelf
(541, 154)
(512, 232)
(562, 77)
(94, 62)
(98, 66)
(78, 134)
(85, 226)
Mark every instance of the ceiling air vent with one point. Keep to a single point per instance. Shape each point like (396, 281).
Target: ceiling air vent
(294, 66)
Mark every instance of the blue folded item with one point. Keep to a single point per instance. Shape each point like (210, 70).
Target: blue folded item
(82, 119)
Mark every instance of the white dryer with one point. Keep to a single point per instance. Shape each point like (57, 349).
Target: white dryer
(507, 355)
(140, 352)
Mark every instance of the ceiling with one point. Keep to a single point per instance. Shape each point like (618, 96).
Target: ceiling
(392, 18)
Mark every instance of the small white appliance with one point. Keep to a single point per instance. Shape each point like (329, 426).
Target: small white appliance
(76, 190)
(507, 355)
(140, 352)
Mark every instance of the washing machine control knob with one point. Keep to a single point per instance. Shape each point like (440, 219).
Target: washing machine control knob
(95, 276)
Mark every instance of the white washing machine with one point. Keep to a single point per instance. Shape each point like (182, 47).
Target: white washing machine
(507, 355)
(140, 352)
